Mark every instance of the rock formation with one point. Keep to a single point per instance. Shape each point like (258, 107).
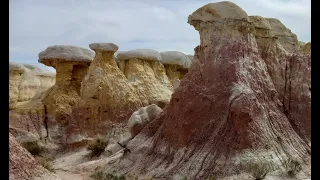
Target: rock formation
(15, 72)
(176, 64)
(140, 118)
(30, 80)
(284, 35)
(106, 95)
(226, 111)
(22, 166)
(306, 49)
(147, 75)
(290, 74)
(71, 64)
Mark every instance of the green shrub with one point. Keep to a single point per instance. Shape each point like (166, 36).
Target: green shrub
(46, 163)
(99, 175)
(258, 170)
(293, 167)
(96, 147)
(33, 147)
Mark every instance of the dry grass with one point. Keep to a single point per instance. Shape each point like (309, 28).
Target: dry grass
(293, 167)
(258, 170)
(96, 147)
(34, 147)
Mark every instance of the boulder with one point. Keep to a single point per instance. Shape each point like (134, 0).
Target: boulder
(140, 118)
(176, 84)
(15, 72)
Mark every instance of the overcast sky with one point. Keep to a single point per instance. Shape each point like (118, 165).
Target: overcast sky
(131, 24)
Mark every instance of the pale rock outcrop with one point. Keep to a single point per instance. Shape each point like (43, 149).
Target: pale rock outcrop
(224, 114)
(176, 64)
(290, 74)
(146, 74)
(71, 64)
(140, 118)
(106, 95)
(176, 84)
(15, 73)
(285, 37)
(31, 81)
(306, 48)
(23, 166)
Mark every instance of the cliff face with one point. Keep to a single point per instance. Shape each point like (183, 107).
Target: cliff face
(22, 166)
(225, 112)
(285, 37)
(290, 74)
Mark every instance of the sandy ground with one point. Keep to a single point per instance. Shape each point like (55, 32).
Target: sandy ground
(76, 166)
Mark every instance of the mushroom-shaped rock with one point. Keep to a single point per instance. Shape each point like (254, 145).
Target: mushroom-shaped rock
(145, 54)
(176, 64)
(215, 12)
(147, 75)
(107, 47)
(71, 64)
(106, 95)
(140, 118)
(285, 37)
(225, 111)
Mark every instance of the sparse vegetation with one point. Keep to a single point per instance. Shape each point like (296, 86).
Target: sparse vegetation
(46, 163)
(293, 167)
(96, 147)
(33, 147)
(258, 170)
(100, 175)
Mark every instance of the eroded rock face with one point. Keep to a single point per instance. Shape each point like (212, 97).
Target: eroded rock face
(25, 83)
(285, 37)
(147, 75)
(306, 48)
(22, 166)
(225, 111)
(286, 71)
(106, 94)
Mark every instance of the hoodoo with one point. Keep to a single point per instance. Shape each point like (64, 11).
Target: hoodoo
(107, 97)
(176, 64)
(147, 75)
(225, 113)
(71, 64)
